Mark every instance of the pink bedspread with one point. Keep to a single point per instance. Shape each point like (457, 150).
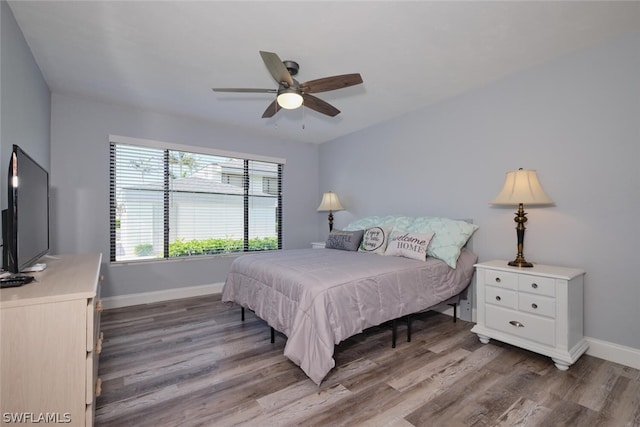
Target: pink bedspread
(320, 297)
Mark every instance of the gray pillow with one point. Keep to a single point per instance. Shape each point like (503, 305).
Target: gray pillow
(344, 240)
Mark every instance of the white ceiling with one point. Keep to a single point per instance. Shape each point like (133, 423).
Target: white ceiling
(167, 55)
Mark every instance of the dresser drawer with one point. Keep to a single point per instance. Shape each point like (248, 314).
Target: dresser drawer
(94, 309)
(89, 415)
(523, 325)
(89, 385)
(91, 323)
(541, 305)
(501, 279)
(500, 297)
(537, 285)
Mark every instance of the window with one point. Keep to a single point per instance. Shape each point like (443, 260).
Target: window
(169, 203)
(270, 185)
(233, 179)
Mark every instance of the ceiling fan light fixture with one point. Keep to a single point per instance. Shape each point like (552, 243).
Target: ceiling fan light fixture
(289, 99)
(292, 94)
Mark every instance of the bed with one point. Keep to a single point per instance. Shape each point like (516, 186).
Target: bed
(320, 297)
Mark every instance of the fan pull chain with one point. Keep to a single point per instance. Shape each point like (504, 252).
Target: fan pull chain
(304, 115)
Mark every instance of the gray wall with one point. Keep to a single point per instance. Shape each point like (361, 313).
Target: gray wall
(25, 106)
(69, 137)
(80, 186)
(576, 120)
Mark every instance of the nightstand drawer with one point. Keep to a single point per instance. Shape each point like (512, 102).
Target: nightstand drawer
(544, 306)
(502, 279)
(500, 297)
(522, 325)
(537, 285)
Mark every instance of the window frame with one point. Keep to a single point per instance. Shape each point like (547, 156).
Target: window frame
(166, 147)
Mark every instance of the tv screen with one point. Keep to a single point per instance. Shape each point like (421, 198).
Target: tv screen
(27, 217)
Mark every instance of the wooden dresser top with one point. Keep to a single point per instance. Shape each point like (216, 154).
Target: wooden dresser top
(67, 277)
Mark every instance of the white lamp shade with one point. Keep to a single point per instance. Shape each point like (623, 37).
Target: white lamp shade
(522, 186)
(330, 202)
(289, 100)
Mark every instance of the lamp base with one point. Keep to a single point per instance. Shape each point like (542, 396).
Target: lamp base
(520, 263)
(520, 219)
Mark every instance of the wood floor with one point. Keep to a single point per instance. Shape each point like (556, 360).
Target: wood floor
(192, 362)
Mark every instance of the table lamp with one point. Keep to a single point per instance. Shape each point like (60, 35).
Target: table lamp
(521, 187)
(331, 203)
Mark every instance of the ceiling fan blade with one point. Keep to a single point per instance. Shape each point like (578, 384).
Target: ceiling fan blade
(276, 68)
(319, 105)
(331, 83)
(247, 90)
(271, 110)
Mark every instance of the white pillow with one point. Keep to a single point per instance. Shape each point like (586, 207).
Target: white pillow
(375, 240)
(409, 245)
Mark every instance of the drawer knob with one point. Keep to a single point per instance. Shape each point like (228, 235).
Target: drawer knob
(516, 324)
(99, 343)
(497, 280)
(498, 298)
(98, 390)
(534, 285)
(534, 305)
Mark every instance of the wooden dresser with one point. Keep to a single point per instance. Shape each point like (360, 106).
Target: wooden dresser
(50, 340)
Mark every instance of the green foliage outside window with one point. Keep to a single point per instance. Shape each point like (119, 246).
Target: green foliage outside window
(180, 248)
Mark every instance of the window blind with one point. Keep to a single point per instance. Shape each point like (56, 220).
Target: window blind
(167, 203)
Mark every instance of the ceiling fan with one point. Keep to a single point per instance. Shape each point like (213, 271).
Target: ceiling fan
(291, 94)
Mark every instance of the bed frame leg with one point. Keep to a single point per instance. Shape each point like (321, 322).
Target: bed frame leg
(409, 327)
(273, 331)
(394, 330)
(455, 312)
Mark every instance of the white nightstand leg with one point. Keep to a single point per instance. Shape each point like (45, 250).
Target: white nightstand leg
(484, 339)
(563, 366)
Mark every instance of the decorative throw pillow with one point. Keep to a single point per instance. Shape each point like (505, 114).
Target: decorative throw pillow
(399, 222)
(409, 245)
(363, 223)
(344, 240)
(375, 240)
(450, 236)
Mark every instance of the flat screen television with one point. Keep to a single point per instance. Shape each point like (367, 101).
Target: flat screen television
(26, 220)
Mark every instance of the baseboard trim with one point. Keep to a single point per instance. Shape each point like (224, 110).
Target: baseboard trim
(616, 353)
(159, 296)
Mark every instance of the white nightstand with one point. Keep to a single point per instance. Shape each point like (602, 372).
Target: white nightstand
(537, 308)
(317, 245)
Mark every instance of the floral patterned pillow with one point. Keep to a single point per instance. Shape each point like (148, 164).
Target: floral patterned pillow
(450, 236)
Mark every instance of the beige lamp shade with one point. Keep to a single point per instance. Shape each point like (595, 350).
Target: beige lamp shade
(330, 202)
(522, 186)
